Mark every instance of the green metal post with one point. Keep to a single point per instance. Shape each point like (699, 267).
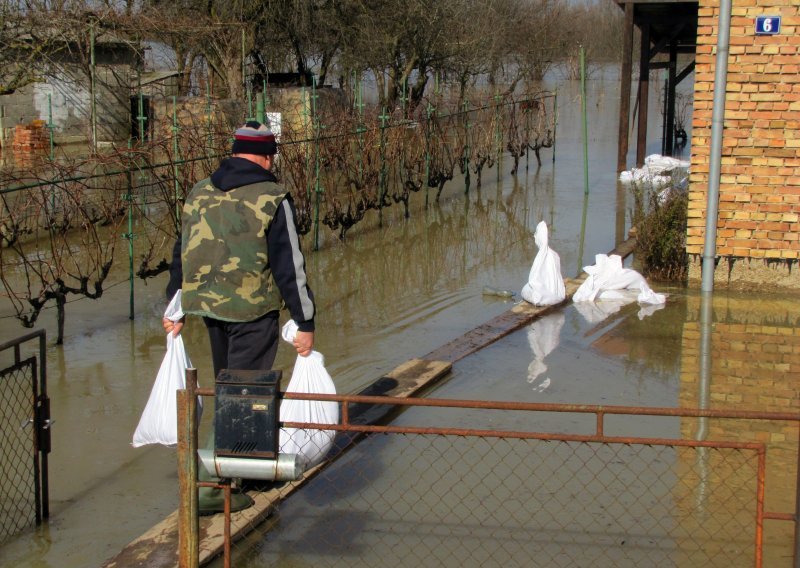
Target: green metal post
(2, 128)
(129, 235)
(428, 112)
(585, 131)
(93, 87)
(176, 158)
(209, 125)
(244, 69)
(306, 121)
(467, 126)
(50, 124)
(359, 103)
(260, 113)
(382, 171)
(249, 103)
(317, 187)
(141, 118)
(555, 122)
(498, 134)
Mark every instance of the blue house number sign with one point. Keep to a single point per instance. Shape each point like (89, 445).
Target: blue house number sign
(768, 25)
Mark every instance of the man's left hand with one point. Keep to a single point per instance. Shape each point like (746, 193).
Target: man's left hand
(304, 342)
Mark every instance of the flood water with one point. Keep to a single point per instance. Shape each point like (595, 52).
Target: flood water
(386, 295)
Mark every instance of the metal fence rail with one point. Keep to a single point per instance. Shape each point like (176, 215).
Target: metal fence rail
(426, 495)
(24, 438)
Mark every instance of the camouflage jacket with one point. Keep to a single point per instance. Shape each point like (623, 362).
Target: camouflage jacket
(226, 272)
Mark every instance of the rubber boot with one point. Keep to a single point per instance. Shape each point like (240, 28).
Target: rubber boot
(212, 500)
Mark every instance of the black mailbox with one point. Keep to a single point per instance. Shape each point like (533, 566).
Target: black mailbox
(246, 414)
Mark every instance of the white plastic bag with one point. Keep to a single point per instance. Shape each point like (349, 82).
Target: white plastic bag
(545, 285)
(607, 277)
(159, 421)
(309, 376)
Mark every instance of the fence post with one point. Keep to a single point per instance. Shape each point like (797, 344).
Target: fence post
(585, 127)
(2, 128)
(382, 172)
(188, 519)
(209, 125)
(466, 146)
(93, 88)
(129, 234)
(49, 124)
(176, 154)
(498, 134)
(429, 131)
(555, 121)
(317, 187)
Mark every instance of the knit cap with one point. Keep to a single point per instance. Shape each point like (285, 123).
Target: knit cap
(254, 138)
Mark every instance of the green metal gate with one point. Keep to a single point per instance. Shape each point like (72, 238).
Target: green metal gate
(24, 436)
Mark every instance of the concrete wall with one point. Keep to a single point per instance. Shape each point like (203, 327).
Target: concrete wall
(66, 96)
(758, 234)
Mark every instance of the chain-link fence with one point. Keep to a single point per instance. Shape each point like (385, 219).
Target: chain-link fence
(23, 407)
(18, 483)
(406, 494)
(445, 500)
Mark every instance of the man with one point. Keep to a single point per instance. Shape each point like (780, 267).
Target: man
(238, 261)
(238, 258)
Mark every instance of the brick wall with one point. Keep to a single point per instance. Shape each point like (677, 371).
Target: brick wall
(758, 232)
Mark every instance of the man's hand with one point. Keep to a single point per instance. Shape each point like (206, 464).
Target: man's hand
(173, 327)
(304, 342)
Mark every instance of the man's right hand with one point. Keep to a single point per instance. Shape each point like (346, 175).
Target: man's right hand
(173, 327)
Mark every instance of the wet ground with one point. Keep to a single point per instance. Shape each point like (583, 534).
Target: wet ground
(386, 295)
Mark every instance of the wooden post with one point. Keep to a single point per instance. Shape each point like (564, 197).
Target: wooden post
(644, 89)
(625, 90)
(188, 518)
(673, 72)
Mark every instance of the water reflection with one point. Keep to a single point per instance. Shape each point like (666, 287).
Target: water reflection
(544, 336)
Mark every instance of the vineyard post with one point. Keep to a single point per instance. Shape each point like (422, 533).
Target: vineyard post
(93, 87)
(498, 135)
(209, 126)
(176, 158)
(317, 188)
(249, 104)
(467, 126)
(555, 122)
(382, 172)
(358, 102)
(429, 129)
(584, 120)
(50, 125)
(129, 235)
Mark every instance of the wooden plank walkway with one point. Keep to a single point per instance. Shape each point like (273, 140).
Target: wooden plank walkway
(158, 547)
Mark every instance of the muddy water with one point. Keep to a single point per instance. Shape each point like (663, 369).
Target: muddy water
(388, 294)
(468, 502)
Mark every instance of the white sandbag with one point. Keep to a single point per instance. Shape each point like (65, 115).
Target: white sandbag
(658, 171)
(545, 285)
(309, 376)
(607, 277)
(159, 421)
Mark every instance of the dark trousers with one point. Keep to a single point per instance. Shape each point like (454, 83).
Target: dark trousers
(249, 346)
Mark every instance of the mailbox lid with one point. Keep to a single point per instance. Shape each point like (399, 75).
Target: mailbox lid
(238, 377)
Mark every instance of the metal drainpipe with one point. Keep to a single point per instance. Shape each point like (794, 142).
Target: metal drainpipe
(717, 121)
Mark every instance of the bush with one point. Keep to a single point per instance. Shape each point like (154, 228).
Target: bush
(660, 220)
